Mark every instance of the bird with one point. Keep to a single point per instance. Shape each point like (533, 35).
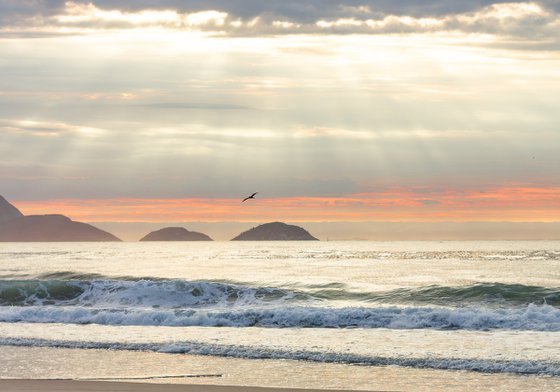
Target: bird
(249, 197)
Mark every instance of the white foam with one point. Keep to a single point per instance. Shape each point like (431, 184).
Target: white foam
(143, 293)
(532, 317)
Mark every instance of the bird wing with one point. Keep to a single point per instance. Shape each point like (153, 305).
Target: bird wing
(250, 197)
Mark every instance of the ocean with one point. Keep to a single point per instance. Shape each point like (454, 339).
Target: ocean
(354, 315)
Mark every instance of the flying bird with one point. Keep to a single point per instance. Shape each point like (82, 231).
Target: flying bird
(250, 197)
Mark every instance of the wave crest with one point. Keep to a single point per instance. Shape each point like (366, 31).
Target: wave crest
(533, 317)
(170, 294)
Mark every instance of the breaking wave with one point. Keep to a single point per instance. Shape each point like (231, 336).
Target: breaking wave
(67, 288)
(489, 294)
(132, 293)
(199, 303)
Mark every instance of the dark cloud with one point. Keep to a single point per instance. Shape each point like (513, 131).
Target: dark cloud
(521, 20)
(15, 11)
(552, 4)
(307, 11)
(299, 11)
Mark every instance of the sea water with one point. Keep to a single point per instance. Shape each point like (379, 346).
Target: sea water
(354, 315)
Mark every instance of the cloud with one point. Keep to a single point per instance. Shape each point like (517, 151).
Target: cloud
(46, 128)
(522, 20)
(79, 15)
(180, 108)
(338, 133)
(325, 132)
(298, 11)
(509, 202)
(194, 106)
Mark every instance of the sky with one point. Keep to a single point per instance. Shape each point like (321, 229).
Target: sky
(334, 111)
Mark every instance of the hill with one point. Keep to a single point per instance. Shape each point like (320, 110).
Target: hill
(8, 211)
(275, 231)
(15, 227)
(175, 234)
(50, 228)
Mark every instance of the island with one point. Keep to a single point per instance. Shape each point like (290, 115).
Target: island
(276, 231)
(8, 211)
(175, 234)
(15, 227)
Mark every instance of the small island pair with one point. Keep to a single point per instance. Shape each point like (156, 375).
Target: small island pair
(16, 227)
(275, 231)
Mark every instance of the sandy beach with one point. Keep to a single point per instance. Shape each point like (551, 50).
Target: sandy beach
(102, 386)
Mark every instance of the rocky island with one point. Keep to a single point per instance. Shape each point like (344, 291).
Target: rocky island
(175, 234)
(276, 231)
(15, 227)
(8, 211)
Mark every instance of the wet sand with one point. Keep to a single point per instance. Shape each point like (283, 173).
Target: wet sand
(102, 386)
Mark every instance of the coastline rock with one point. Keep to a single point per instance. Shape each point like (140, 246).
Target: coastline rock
(51, 228)
(276, 231)
(175, 234)
(8, 211)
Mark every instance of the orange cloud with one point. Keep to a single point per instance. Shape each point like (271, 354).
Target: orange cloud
(510, 203)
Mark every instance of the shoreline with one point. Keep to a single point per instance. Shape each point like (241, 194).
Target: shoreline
(79, 370)
(37, 385)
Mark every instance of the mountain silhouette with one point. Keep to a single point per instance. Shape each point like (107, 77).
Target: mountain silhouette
(275, 231)
(175, 234)
(8, 211)
(15, 227)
